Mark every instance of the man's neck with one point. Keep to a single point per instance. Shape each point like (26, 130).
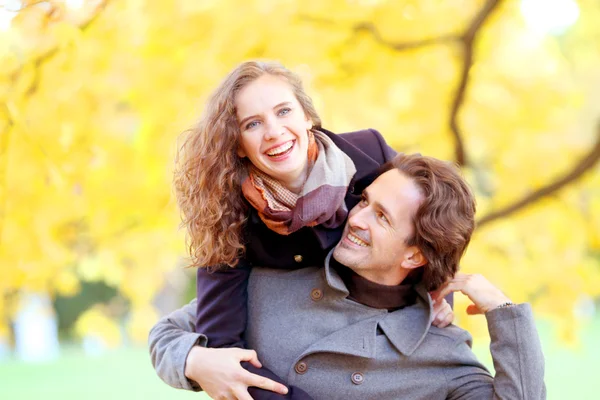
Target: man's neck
(373, 294)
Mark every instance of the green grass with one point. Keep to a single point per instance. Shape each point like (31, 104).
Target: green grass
(127, 373)
(121, 374)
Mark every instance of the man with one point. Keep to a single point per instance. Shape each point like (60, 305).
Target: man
(360, 328)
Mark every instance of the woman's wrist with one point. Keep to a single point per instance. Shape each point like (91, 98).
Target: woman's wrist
(192, 361)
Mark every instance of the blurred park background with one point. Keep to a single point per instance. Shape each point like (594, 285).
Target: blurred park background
(94, 94)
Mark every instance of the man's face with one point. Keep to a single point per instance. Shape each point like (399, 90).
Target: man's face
(374, 240)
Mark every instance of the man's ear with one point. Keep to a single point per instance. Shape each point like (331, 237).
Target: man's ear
(413, 258)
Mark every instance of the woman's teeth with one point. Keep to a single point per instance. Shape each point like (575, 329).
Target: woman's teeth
(279, 150)
(356, 240)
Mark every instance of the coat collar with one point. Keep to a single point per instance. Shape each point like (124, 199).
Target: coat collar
(365, 165)
(405, 328)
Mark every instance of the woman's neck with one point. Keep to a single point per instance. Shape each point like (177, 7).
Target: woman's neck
(297, 184)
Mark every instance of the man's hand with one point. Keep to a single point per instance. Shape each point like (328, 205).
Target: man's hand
(483, 294)
(219, 373)
(442, 314)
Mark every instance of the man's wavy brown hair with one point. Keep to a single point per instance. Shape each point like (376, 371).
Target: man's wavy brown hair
(208, 171)
(445, 219)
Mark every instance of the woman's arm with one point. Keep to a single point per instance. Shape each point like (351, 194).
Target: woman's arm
(221, 315)
(181, 360)
(221, 309)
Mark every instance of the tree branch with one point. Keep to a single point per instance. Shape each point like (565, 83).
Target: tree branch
(577, 171)
(467, 40)
(401, 46)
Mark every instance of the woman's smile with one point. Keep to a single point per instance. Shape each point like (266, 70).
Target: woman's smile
(281, 150)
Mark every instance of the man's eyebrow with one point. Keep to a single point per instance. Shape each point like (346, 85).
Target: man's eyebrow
(284, 103)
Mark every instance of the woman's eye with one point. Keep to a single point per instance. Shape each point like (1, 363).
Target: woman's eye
(284, 111)
(251, 125)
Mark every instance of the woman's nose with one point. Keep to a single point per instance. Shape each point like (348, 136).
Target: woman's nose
(273, 130)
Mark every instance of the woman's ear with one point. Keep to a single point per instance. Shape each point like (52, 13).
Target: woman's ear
(413, 258)
(309, 123)
(240, 152)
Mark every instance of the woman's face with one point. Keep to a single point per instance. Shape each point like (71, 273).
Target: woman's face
(274, 130)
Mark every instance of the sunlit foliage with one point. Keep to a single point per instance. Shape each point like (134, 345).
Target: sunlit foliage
(93, 95)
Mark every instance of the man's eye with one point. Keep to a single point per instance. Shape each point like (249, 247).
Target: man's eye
(383, 218)
(363, 202)
(285, 111)
(251, 125)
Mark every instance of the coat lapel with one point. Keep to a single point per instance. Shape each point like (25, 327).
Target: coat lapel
(356, 340)
(365, 165)
(407, 328)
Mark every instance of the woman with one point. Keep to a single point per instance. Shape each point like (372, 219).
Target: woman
(260, 182)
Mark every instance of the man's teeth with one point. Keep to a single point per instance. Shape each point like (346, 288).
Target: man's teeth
(356, 240)
(280, 149)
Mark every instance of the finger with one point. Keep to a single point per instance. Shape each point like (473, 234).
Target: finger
(441, 317)
(440, 309)
(446, 321)
(473, 310)
(265, 383)
(449, 319)
(241, 393)
(251, 357)
(447, 289)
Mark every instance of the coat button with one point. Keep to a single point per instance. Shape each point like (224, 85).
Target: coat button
(316, 294)
(358, 378)
(298, 258)
(301, 367)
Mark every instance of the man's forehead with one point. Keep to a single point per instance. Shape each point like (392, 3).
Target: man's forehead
(394, 190)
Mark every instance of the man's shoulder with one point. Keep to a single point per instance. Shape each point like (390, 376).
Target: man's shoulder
(276, 278)
(278, 273)
(450, 335)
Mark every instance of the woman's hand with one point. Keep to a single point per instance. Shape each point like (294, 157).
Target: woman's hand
(219, 373)
(442, 314)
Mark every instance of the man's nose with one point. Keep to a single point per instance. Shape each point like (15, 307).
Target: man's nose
(358, 218)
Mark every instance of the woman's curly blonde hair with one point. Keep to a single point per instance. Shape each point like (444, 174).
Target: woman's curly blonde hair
(209, 173)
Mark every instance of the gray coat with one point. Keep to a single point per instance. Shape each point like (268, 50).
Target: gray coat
(306, 331)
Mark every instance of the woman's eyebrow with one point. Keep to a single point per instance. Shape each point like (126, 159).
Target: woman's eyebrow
(285, 103)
